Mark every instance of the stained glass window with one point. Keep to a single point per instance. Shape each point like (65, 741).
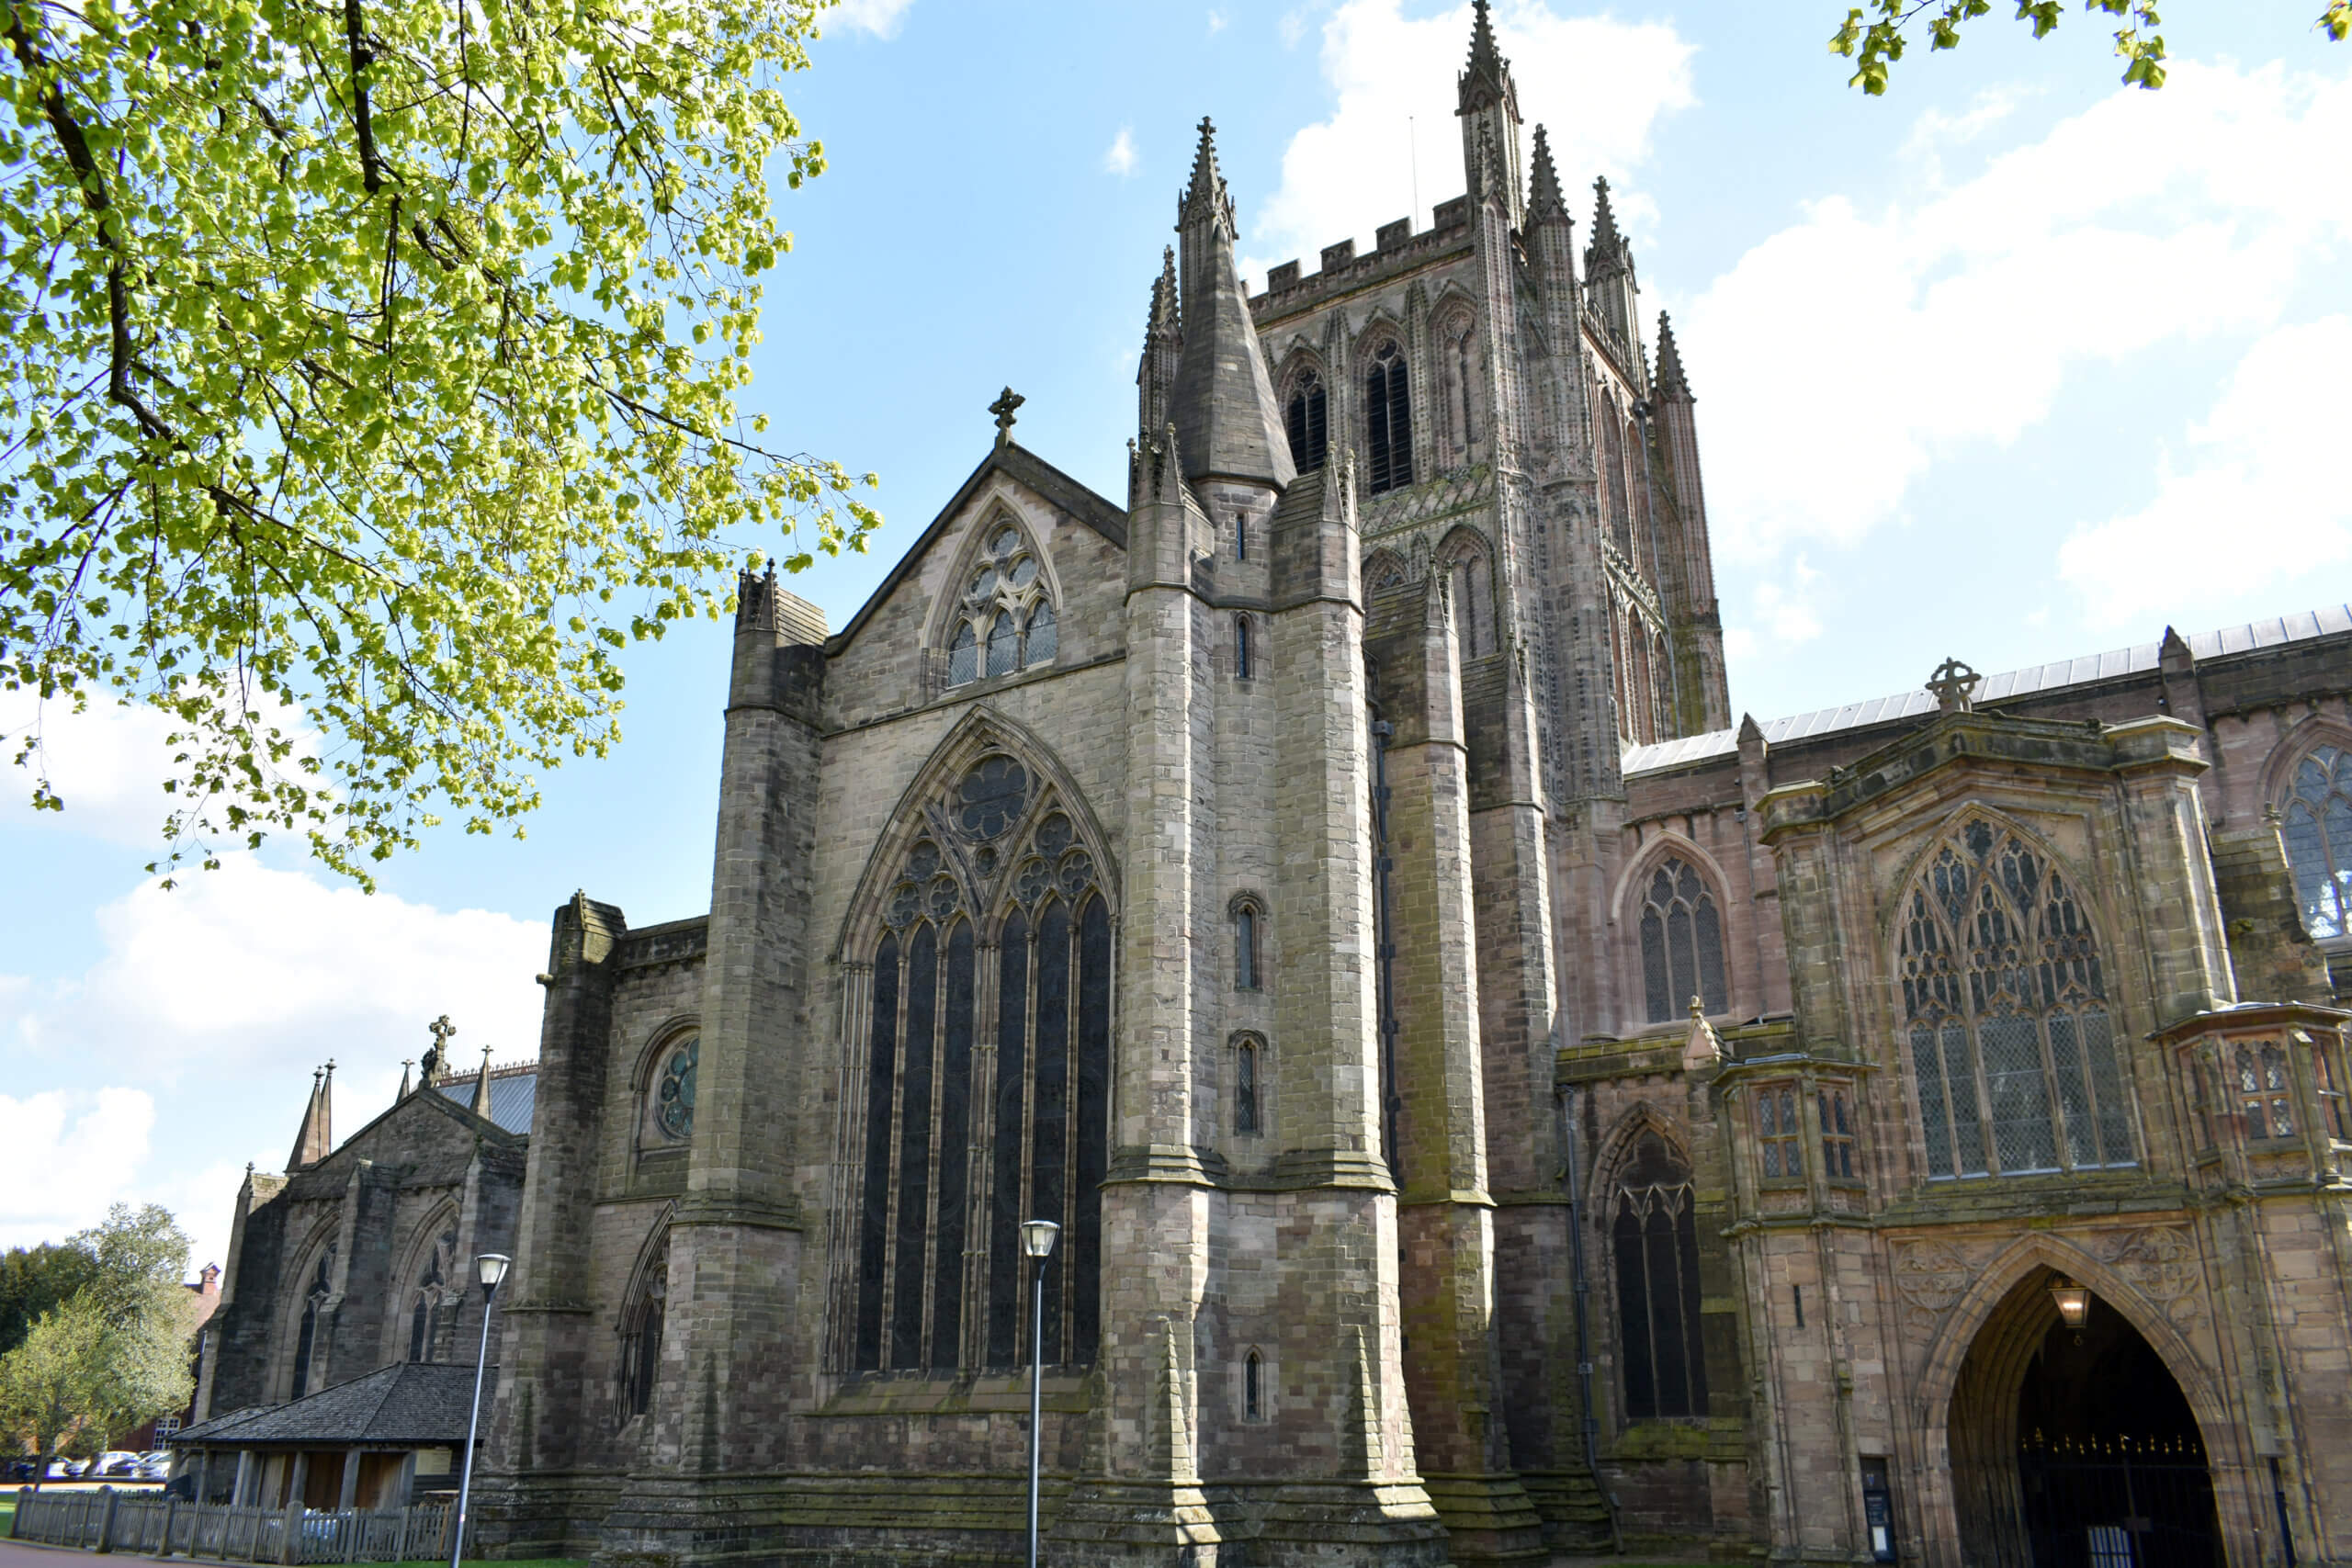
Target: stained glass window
(963, 656)
(1044, 638)
(1682, 943)
(1389, 421)
(1004, 645)
(432, 1281)
(930, 1297)
(1655, 1249)
(1007, 620)
(2265, 1093)
(2005, 1006)
(2317, 821)
(314, 1302)
(1305, 416)
(642, 1365)
(1777, 1134)
(674, 1099)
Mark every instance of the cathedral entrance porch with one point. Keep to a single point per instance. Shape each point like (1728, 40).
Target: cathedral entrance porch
(2074, 1447)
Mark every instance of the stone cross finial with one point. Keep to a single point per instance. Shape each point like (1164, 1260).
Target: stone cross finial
(441, 1028)
(1003, 408)
(1698, 1008)
(1954, 684)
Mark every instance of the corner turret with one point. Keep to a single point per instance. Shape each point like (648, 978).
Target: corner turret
(1227, 426)
(1609, 279)
(1163, 343)
(315, 1141)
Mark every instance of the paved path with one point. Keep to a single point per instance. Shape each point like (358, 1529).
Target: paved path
(33, 1554)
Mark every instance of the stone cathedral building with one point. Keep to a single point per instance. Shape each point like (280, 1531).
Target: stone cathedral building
(1499, 1101)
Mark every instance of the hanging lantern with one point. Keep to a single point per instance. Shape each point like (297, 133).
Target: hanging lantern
(2073, 1300)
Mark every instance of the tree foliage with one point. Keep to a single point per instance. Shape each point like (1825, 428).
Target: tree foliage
(114, 1353)
(1873, 36)
(34, 1279)
(373, 381)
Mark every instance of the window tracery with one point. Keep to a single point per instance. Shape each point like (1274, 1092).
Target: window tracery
(426, 1297)
(1389, 421)
(1306, 419)
(1655, 1247)
(999, 630)
(314, 1303)
(2005, 1003)
(673, 1092)
(2317, 825)
(641, 1331)
(940, 1283)
(1470, 585)
(1682, 943)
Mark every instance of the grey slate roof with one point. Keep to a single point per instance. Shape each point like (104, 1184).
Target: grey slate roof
(2334, 621)
(512, 1095)
(414, 1403)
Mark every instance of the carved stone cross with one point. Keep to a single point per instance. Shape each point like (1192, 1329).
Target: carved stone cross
(1003, 408)
(1954, 684)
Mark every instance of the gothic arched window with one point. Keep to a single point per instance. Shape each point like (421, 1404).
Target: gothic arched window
(1243, 666)
(1470, 586)
(1662, 725)
(1245, 947)
(424, 1308)
(2318, 823)
(1253, 1372)
(1655, 1242)
(1682, 943)
(641, 1336)
(1005, 595)
(1389, 421)
(673, 1089)
(314, 1302)
(2005, 1007)
(1245, 1088)
(1306, 417)
(1612, 480)
(922, 1302)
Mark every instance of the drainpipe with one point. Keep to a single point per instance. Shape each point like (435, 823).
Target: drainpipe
(1584, 1332)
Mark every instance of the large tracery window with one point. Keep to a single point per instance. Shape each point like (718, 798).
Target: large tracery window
(1389, 421)
(1682, 943)
(1006, 623)
(2318, 823)
(641, 1336)
(314, 1306)
(1307, 419)
(953, 1162)
(1655, 1249)
(2005, 1004)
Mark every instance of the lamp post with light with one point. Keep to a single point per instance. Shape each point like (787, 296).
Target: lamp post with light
(491, 1266)
(1037, 1237)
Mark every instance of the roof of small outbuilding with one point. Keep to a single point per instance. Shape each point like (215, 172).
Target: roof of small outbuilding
(418, 1403)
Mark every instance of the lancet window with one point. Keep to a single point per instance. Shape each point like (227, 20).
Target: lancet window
(1247, 1068)
(1307, 418)
(425, 1298)
(2005, 1008)
(1245, 662)
(1655, 1246)
(997, 926)
(315, 1306)
(2317, 820)
(1471, 586)
(1005, 622)
(641, 1336)
(1389, 421)
(1682, 943)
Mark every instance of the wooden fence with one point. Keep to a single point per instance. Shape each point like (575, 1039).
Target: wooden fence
(152, 1525)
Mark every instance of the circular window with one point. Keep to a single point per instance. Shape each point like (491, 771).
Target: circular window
(984, 583)
(945, 897)
(991, 797)
(1004, 541)
(673, 1102)
(1077, 869)
(985, 861)
(923, 861)
(1054, 835)
(1035, 877)
(1023, 572)
(904, 904)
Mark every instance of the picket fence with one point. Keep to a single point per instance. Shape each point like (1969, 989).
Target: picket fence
(149, 1526)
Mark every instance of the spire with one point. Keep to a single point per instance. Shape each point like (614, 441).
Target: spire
(316, 1139)
(1604, 218)
(407, 1063)
(1487, 77)
(1163, 342)
(1546, 200)
(1223, 408)
(481, 1088)
(1671, 383)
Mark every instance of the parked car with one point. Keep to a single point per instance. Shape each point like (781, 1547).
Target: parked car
(22, 1469)
(67, 1469)
(114, 1463)
(154, 1466)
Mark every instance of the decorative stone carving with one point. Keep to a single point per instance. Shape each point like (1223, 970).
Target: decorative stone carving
(2161, 1262)
(1930, 1276)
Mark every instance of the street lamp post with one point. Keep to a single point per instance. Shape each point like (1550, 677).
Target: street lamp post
(492, 1268)
(1037, 1237)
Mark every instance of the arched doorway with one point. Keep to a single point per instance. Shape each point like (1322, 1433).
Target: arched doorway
(2075, 1449)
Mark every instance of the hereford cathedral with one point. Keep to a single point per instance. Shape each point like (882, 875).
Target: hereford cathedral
(1498, 1102)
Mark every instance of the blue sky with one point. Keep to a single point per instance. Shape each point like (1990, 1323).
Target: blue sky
(2011, 364)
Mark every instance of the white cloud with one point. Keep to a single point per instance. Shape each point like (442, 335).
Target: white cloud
(1844, 355)
(1120, 159)
(249, 972)
(218, 999)
(107, 763)
(1598, 83)
(2263, 473)
(1216, 23)
(880, 17)
(64, 1156)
